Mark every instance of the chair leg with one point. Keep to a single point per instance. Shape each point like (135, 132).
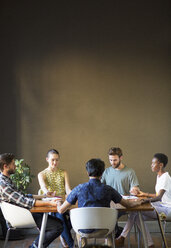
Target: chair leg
(79, 244)
(135, 231)
(164, 230)
(164, 226)
(75, 240)
(129, 239)
(82, 242)
(6, 238)
(110, 240)
(113, 239)
(139, 238)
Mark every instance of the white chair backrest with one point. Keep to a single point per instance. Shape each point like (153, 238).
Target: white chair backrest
(93, 218)
(17, 216)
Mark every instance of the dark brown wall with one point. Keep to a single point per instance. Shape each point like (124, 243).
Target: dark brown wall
(81, 76)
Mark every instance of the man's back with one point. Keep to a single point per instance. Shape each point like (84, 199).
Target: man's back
(93, 194)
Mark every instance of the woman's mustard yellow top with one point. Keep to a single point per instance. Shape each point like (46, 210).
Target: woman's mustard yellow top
(55, 181)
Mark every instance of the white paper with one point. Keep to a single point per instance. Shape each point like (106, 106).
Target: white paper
(129, 197)
(51, 198)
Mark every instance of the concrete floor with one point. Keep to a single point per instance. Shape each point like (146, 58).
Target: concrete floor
(24, 243)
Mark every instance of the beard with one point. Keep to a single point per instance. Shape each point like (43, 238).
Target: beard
(11, 171)
(118, 164)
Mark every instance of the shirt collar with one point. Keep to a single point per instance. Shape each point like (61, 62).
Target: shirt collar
(5, 177)
(92, 180)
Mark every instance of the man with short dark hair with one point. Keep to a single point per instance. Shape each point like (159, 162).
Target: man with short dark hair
(9, 193)
(94, 193)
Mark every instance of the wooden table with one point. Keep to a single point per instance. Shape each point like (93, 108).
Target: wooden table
(46, 209)
(139, 210)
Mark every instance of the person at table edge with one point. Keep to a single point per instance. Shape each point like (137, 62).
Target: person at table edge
(120, 177)
(94, 193)
(161, 200)
(55, 181)
(9, 193)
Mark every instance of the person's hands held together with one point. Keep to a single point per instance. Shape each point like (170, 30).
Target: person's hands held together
(56, 202)
(135, 191)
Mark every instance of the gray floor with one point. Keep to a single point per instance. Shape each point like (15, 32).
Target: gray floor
(28, 240)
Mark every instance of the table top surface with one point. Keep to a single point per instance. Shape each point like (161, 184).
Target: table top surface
(45, 209)
(142, 207)
(119, 207)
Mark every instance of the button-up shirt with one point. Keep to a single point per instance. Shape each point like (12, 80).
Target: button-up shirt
(93, 194)
(9, 193)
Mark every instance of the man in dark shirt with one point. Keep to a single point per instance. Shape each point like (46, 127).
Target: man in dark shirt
(94, 193)
(9, 193)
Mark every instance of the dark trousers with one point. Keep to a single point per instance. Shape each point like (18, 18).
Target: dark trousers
(119, 229)
(54, 228)
(3, 224)
(66, 234)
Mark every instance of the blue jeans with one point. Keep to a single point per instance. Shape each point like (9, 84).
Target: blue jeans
(66, 234)
(54, 228)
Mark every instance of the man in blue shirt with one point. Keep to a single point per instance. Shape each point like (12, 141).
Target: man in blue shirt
(94, 193)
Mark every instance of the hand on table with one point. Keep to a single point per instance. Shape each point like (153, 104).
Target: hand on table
(145, 200)
(51, 194)
(139, 201)
(136, 202)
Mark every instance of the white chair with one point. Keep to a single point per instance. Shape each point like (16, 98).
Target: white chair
(102, 219)
(164, 220)
(16, 217)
